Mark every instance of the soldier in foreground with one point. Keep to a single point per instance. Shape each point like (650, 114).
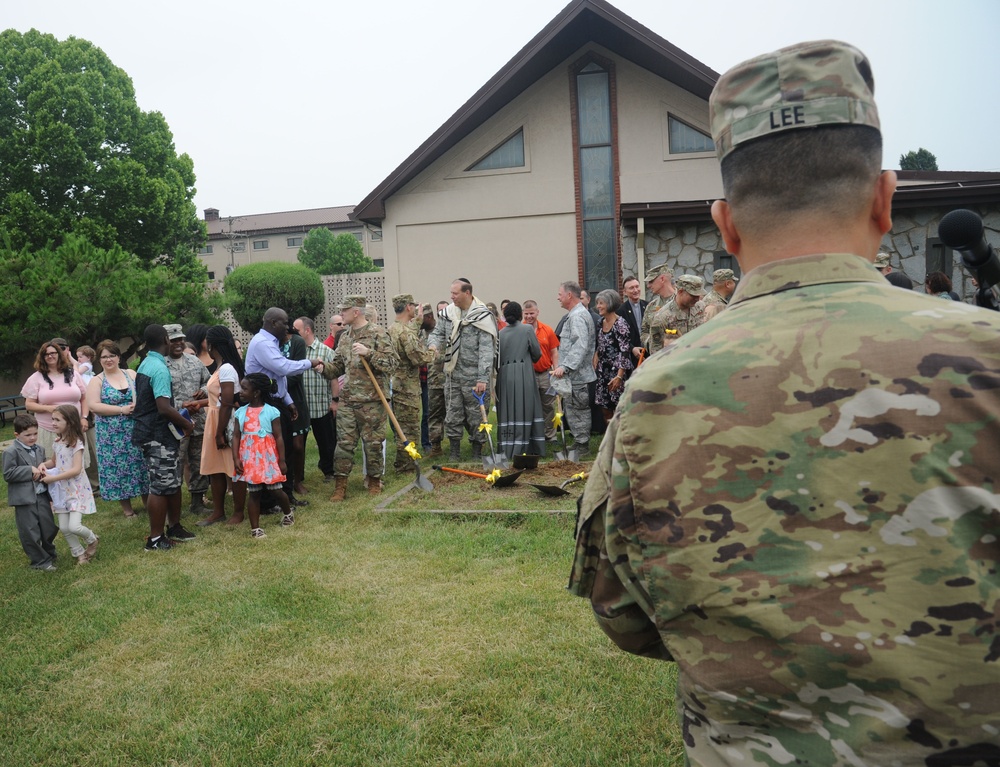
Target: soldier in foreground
(814, 539)
(360, 415)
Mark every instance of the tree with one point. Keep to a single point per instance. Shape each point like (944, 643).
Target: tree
(326, 254)
(919, 160)
(87, 294)
(79, 156)
(252, 289)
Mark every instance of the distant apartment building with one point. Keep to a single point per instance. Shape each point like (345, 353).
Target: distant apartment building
(237, 240)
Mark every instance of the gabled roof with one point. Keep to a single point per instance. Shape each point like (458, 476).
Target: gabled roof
(290, 221)
(579, 23)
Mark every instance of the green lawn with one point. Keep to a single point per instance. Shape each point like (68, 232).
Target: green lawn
(353, 638)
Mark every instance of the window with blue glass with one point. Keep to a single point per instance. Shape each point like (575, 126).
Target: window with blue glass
(597, 173)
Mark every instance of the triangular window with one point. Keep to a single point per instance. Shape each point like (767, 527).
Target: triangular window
(684, 138)
(510, 154)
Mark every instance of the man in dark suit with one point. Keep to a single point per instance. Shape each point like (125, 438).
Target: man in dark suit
(632, 310)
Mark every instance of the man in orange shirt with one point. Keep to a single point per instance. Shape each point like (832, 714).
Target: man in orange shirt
(549, 343)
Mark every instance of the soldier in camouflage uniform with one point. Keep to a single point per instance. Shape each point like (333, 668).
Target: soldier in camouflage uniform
(682, 313)
(815, 540)
(412, 352)
(435, 392)
(467, 337)
(361, 415)
(659, 281)
(723, 284)
(188, 377)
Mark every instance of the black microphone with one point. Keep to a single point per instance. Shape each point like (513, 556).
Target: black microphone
(962, 230)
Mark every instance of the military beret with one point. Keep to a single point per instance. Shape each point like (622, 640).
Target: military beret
(656, 271)
(403, 298)
(724, 275)
(353, 302)
(881, 260)
(690, 284)
(823, 82)
(174, 332)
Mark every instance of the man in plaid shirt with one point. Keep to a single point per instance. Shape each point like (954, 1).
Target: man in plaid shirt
(322, 395)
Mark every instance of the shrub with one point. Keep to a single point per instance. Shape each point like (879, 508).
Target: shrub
(254, 288)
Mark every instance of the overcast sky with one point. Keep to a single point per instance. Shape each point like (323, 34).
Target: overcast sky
(310, 103)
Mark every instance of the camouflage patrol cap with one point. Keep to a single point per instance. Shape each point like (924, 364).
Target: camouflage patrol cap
(882, 260)
(403, 298)
(822, 82)
(353, 302)
(690, 284)
(174, 332)
(656, 271)
(724, 275)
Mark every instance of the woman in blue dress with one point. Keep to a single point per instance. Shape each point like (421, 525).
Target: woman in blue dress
(111, 397)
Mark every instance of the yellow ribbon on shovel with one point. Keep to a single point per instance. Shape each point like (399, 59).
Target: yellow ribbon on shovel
(493, 475)
(487, 427)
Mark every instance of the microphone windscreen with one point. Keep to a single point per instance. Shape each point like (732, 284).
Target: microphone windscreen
(961, 229)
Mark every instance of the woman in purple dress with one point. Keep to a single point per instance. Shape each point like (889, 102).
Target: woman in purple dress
(613, 358)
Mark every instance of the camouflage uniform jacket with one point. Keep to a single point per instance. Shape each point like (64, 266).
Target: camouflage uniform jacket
(714, 299)
(188, 376)
(815, 539)
(672, 317)
(435, 369)
(382, 359)
(654, 305)
(412, 353)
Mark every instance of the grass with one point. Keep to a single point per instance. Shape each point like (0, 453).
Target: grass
(355, 637)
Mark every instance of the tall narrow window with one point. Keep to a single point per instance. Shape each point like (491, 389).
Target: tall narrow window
(596, 177)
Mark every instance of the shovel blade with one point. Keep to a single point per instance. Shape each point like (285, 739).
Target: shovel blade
(423, 483)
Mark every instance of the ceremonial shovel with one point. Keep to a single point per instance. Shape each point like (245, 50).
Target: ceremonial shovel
(495, 463)
(561, 455)
(403, 444)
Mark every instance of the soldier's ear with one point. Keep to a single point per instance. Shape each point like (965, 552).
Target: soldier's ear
(722, 215)
(881, 212)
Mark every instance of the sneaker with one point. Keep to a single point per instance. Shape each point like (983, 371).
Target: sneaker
(91, 548)
(49, 568)
(288, 520)
(160, 544)
(257, 533)
(178, 533)
(328, 478)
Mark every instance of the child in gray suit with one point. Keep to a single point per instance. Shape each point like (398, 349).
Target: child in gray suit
(32, 505)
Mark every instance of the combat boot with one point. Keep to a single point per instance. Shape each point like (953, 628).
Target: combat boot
(374, 486)
(340, 493)
(477, 451)
(435, 451)
(456, 450)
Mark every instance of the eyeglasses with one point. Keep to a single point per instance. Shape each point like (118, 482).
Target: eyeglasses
(51, 354)
(109, 356)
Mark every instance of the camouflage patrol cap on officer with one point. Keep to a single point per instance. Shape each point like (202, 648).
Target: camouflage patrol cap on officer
(403, 298)
(656, 271)
(690, 284)
(353, 302)
(174, 332)
(724, 275)
(822, 82)
(882, 260)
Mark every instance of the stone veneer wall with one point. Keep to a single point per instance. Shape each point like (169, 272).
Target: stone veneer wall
(691, 248)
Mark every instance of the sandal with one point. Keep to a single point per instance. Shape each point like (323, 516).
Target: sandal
(257, 533)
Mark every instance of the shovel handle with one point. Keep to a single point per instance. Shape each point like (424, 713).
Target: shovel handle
(461, 471)
(385, 403)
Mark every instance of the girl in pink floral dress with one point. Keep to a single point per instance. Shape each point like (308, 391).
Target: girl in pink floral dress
(259, 451)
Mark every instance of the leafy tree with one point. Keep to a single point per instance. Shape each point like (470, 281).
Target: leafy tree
(919, 160)
(326, 254)
(252, 289)
(86, 294)
(78, 155)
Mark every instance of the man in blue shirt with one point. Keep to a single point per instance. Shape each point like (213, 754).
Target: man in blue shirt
(154, 412)
(264, 356)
